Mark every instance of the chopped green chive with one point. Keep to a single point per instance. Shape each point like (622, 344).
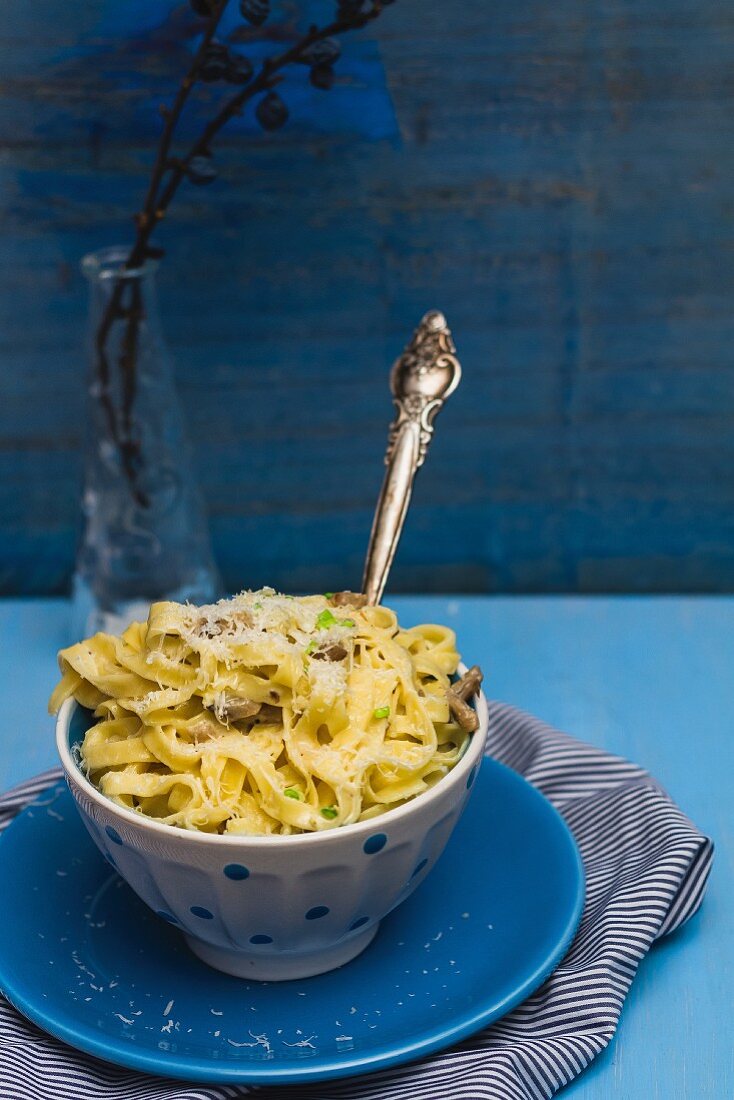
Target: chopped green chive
(312, 646)
(381, 712)
(329, 812)
(327, 618)
(257, 606)
(328, 595)
(291, 792)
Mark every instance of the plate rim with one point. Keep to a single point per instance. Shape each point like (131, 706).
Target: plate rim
(402, 1052)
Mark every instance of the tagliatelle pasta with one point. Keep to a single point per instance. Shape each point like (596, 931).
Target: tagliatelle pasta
(264, 713)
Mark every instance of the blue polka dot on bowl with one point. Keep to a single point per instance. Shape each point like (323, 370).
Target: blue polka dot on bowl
(316, 912)
(201, 912)
(374, 843)
(236, 871)
(419, 868)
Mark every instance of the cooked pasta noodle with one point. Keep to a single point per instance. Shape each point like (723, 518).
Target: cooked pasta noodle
(265, 714)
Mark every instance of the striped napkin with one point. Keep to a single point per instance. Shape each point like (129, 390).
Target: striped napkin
(646, 870)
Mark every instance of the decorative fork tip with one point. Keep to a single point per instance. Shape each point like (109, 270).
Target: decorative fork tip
(435, 321)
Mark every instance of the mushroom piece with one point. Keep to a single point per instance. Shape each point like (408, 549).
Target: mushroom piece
(210, 628)
(233, 708)
(469, 684)
(269, 713)
(458, 695)
(223, 624)
(465, 715)
(348, 599)
(204, 725)
(241, 617)
(335, 652)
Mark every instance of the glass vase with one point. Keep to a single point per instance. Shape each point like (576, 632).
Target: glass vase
(145, 535)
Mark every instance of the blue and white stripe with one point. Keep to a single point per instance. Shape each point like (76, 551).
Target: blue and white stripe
(646, 871)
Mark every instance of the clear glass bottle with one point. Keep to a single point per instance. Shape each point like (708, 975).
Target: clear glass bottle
(145, 534)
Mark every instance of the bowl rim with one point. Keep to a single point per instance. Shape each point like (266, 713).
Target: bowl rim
(460, 771)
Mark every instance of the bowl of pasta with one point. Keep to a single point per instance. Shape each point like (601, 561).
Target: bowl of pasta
(271, 775)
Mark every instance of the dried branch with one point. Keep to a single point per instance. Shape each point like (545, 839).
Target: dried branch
(316, 48)
(122, 435)
(156, 206)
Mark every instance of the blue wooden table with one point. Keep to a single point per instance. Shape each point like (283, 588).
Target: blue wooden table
(649, 678)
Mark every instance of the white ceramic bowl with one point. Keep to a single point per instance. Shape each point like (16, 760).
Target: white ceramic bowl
(275, 907)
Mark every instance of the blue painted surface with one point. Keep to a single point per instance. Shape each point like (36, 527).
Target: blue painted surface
(459, 953)
(556, 178)
(648, 678)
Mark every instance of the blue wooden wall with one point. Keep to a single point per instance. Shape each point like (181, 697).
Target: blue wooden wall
(556, 177)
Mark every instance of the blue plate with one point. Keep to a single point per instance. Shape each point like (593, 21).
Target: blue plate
(84, 959)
